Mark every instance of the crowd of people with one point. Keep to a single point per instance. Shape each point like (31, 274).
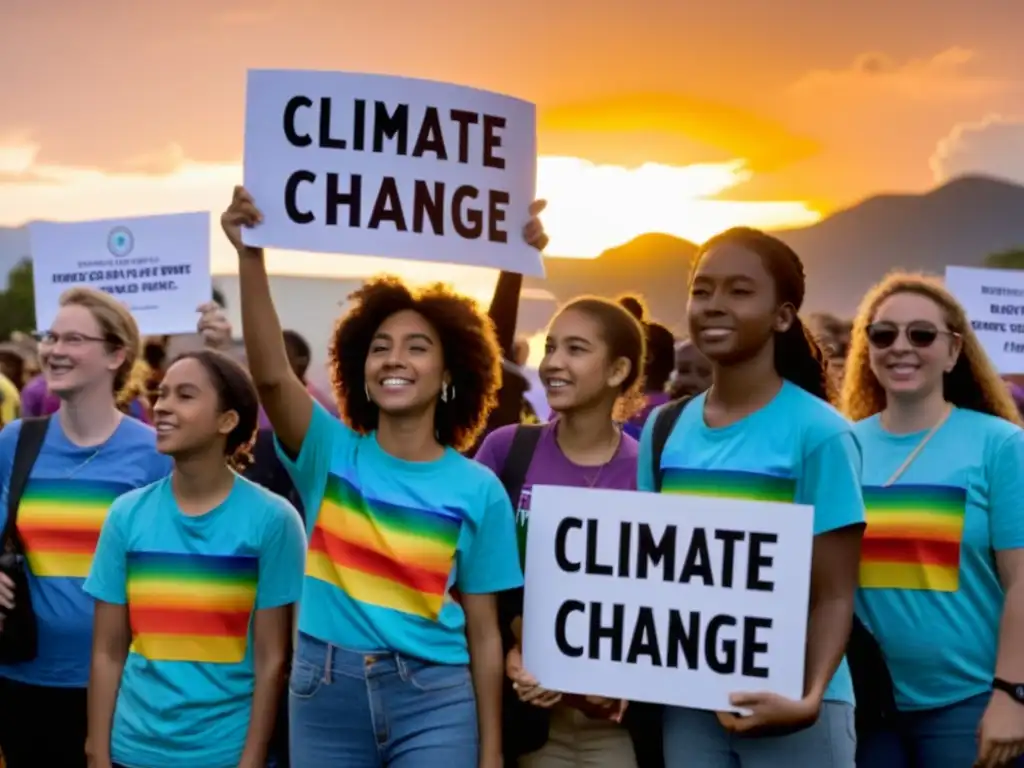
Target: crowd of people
(208, 562)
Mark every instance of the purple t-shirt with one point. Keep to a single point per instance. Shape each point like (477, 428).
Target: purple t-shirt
(552, 467)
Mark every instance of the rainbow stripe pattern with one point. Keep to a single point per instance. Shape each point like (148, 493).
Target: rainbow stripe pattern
(381, 554)
(913, 536)
(729, 484)
(196, 608)
(60, 521)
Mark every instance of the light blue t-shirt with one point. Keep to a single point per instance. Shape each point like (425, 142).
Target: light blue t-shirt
(65, 502)
(192, 584)
(392, 543)
(796, 449)
(929, 589)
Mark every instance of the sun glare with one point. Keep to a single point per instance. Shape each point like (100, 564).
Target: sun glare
(590, 207)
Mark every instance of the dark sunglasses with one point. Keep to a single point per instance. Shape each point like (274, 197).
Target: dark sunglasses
(920, 334)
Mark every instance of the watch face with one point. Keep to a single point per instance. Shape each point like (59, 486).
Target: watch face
(1018, 693)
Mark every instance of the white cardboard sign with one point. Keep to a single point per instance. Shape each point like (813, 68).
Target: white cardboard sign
(390, 166)
(670, 599)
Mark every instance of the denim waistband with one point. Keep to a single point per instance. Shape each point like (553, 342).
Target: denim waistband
(334, 659)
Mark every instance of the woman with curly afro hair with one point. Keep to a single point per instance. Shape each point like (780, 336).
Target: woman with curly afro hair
(942, 567)
(399, 657)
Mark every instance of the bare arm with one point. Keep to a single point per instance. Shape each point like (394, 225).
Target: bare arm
(111, 637)
(834, 570)
(487, 665)
(271, 635)
(1010, 661)
(288, 404)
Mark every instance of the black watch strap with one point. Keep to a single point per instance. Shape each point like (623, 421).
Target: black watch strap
(1016, 690)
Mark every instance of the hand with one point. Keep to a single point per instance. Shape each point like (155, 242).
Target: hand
(770, 714)
(525, 685)
(533, 232)
(6, 592)
(1000, 732)
(213, 325)
(241, 213)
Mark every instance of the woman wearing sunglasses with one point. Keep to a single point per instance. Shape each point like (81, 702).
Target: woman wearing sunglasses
(942, 565)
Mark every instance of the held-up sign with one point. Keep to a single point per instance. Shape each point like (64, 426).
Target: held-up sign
(389, 166)
(994, 302)
(678, 600)
(157, 266)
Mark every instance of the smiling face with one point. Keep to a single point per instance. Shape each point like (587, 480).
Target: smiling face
(577, 369)
(733, 311)
(910, 345)
(76, 354)
(188, 415)
(404, 367)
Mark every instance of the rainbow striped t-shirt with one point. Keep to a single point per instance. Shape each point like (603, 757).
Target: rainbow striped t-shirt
(392, 543)
(929, 589)
(62, 510)
(796, 449)
(192, 584)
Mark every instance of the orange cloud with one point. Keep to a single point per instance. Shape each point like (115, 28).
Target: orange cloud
(993, 146)
(945, 76)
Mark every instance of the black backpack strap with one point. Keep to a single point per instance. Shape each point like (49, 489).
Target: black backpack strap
(517, 460)
(30, 442)
(664, 422)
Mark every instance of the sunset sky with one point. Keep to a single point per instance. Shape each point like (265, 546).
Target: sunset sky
(743, 111)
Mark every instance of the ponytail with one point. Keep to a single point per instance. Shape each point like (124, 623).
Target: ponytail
(799, 359)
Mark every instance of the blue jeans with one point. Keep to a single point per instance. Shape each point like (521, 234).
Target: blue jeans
(694, 737)
(931, 738)
(378, 710)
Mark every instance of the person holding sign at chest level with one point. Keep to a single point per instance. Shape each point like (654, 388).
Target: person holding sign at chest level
(399, 659)
(765, 431)
(593, 359)
(942, 573)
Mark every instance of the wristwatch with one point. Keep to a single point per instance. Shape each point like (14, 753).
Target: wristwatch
(1016, 690)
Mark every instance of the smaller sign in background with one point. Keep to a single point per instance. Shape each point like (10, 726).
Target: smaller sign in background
(157, 266)
(994, 302)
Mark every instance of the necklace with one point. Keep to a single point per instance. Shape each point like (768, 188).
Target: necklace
(597, 475)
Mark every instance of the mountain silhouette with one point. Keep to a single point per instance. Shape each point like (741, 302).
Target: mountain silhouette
(961, 223)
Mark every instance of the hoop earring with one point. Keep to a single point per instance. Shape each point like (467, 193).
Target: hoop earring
(366, 389)
(445, 397)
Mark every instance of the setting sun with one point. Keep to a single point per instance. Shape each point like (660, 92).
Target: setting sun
(591, 207)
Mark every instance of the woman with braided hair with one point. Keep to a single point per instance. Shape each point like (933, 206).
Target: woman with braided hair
(766, 430)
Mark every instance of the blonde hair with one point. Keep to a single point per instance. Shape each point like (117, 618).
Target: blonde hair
(118, 328)
(973, 383)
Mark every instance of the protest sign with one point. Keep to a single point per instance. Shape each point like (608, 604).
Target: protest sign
(390, 166)
(994, 302)
(666, 599)
(158, 266)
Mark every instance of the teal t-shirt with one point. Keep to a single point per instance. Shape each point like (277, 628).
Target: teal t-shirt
(797, 449)
(192, 584)
(393, 542)
(64, 504)
(929, 589)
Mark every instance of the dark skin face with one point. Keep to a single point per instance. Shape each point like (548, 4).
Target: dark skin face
(692, 374)
(734, 311)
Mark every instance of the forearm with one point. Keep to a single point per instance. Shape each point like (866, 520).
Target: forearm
(261, 328)
(270, 676)
(487, 666)
(1010, 660)
(104, 683)
(828, 631)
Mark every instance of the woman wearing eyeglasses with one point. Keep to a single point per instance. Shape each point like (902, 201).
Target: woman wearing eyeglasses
(942, 564)
(90, 454)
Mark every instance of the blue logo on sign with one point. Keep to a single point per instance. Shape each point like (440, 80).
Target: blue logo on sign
(120, 242)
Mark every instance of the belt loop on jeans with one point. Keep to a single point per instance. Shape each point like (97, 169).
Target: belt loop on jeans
(402, 667)
(328, 663)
